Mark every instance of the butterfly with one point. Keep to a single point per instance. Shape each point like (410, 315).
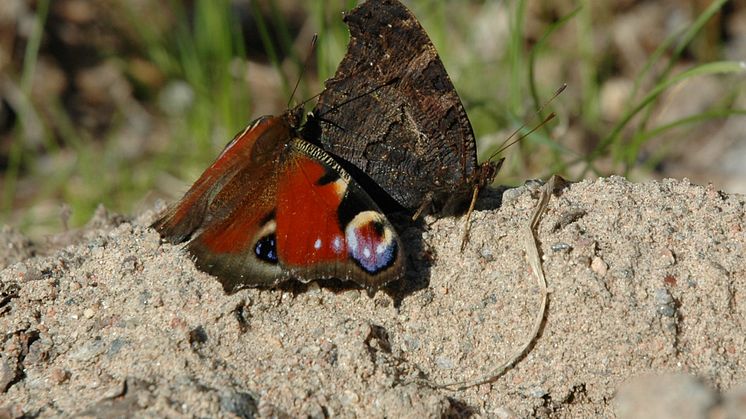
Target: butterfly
(280, 203)
(274, 207)
(392, 115)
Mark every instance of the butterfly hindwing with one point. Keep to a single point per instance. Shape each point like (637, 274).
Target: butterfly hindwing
(327, 226)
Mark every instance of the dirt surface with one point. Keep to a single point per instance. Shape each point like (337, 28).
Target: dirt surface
(646, 316)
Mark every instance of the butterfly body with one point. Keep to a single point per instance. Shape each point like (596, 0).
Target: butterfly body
(274, 207)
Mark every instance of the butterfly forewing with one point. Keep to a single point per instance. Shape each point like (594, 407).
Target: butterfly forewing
(392, 111)
(180, 221)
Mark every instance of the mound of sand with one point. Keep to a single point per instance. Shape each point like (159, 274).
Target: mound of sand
(646, 315)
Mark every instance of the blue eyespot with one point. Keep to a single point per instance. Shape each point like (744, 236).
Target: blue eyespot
(370, 242)
(266, 249)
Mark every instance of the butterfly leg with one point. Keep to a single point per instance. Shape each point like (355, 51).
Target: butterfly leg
(426, 202)
(467, 225)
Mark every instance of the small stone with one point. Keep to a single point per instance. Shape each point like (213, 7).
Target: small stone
(536, 392)
(348, 397)
(487, 253)
(59, 376)
(513, 193)
(672, 395)
(561, 247)
(410, 343)
(662, 297)
(314, 288)
(8, 372)
(115, 346)
(88, 350)
(504, 413)
(88, 313)
(444, 362)
(114, 389)
(131, 264)
(38, 352)
(665, 304)
(176, 98)
(599, 267)
(144, 297)
(667, 258)
(243, 405)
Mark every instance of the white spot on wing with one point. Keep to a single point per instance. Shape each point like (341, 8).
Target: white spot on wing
(340, 187)
(352, 239)
(317, 244)
(337, 244)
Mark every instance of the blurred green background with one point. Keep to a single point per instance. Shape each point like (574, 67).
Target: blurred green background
(122, 102)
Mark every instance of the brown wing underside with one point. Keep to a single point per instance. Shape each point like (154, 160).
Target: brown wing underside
(392, 111)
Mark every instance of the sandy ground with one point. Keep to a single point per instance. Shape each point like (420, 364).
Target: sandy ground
(646, 316)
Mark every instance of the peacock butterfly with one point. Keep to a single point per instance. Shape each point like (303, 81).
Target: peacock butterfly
(391, 114)
(274, 207)
(279, 203)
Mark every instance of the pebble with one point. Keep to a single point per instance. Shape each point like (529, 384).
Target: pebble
(599, 267)
(410, 342)
(665, 303)
(59, 375)
(444, 362)
(561, 247)
(684, 397)
(348, 397)
(536, 392)
(241, 404)
(667, 258)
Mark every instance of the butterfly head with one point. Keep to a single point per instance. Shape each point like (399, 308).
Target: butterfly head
(486, 173)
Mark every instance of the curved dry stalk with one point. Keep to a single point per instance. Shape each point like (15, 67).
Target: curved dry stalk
(533, 255)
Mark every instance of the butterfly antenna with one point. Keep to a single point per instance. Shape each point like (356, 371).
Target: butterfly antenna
(539, 125)
(507, 143)
(303, 69)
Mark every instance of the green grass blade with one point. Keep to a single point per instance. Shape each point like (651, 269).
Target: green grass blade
(700, 117)
(538, 47)
(718, 67)
(15, 155)
(662, 152)
(590, 109)
(266, 38)
(516, 58)
(684, 38)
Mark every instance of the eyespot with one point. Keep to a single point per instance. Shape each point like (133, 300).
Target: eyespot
(266, 249)
(370, 242)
